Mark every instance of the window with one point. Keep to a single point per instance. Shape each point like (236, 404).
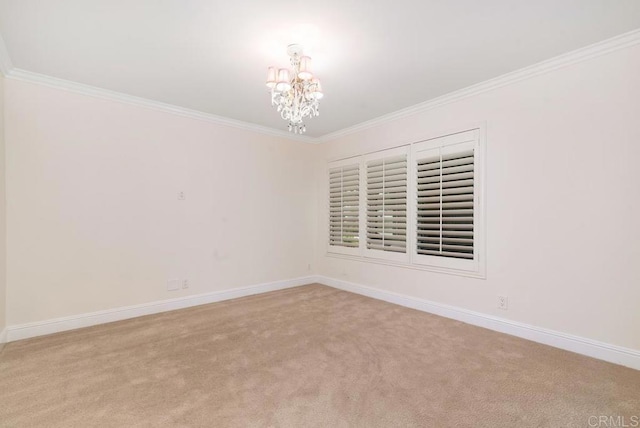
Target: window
(386, 208)
(421, 205)
(344, 207)
(446, 201)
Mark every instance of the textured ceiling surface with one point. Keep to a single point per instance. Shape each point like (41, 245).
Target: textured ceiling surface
(374, 57)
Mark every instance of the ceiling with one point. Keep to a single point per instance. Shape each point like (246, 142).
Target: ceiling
(374, 57)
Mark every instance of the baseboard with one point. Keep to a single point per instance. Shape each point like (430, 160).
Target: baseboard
(25, 331)
(600, 350)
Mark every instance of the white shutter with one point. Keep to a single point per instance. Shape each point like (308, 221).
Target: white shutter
(386, 208)
(421, 205)
(446, 202)
(344, 206)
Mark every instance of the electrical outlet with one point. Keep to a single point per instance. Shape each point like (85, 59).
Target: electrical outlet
(503, 302)
(181, 196)
(185, 284)
(309, 266)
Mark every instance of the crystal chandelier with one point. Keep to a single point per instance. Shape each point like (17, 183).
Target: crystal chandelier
(295, 94)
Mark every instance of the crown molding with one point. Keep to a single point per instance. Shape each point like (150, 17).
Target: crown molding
(93, 91)
(592, 51)
(604, 47)
(5, 62)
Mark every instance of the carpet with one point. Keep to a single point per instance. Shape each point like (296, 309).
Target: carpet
(310, 356)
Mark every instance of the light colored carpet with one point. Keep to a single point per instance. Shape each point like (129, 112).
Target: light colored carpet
(303, 357)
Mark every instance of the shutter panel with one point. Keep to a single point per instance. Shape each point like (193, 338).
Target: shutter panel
(387, 204)
(445, 202)
(344, 206)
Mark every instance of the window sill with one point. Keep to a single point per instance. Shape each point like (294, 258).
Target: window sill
(405, 265)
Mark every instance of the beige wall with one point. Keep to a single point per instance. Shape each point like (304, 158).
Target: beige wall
(93, 217)
(563, 201)
(3, 241)
(93, 220)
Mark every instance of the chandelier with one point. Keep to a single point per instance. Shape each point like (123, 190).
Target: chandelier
(295, 93)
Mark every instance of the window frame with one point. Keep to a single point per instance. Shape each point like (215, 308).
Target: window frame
(445, 144)
(409, 260)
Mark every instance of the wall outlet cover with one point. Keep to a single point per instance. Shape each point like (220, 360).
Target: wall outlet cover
(503, 302)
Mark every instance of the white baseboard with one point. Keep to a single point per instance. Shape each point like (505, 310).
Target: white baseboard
(40, 328)
(592, 348)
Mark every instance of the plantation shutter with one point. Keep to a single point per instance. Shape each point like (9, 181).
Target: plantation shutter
(445, 202)
(387, 204)
(344, 206)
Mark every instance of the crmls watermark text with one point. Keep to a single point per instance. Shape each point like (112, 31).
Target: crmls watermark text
(614, 421)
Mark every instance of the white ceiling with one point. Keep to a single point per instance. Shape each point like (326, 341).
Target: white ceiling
(373, 56)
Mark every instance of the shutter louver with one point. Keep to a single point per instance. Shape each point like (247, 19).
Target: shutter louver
(445, 203)
(387, 204)
(344, 206)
